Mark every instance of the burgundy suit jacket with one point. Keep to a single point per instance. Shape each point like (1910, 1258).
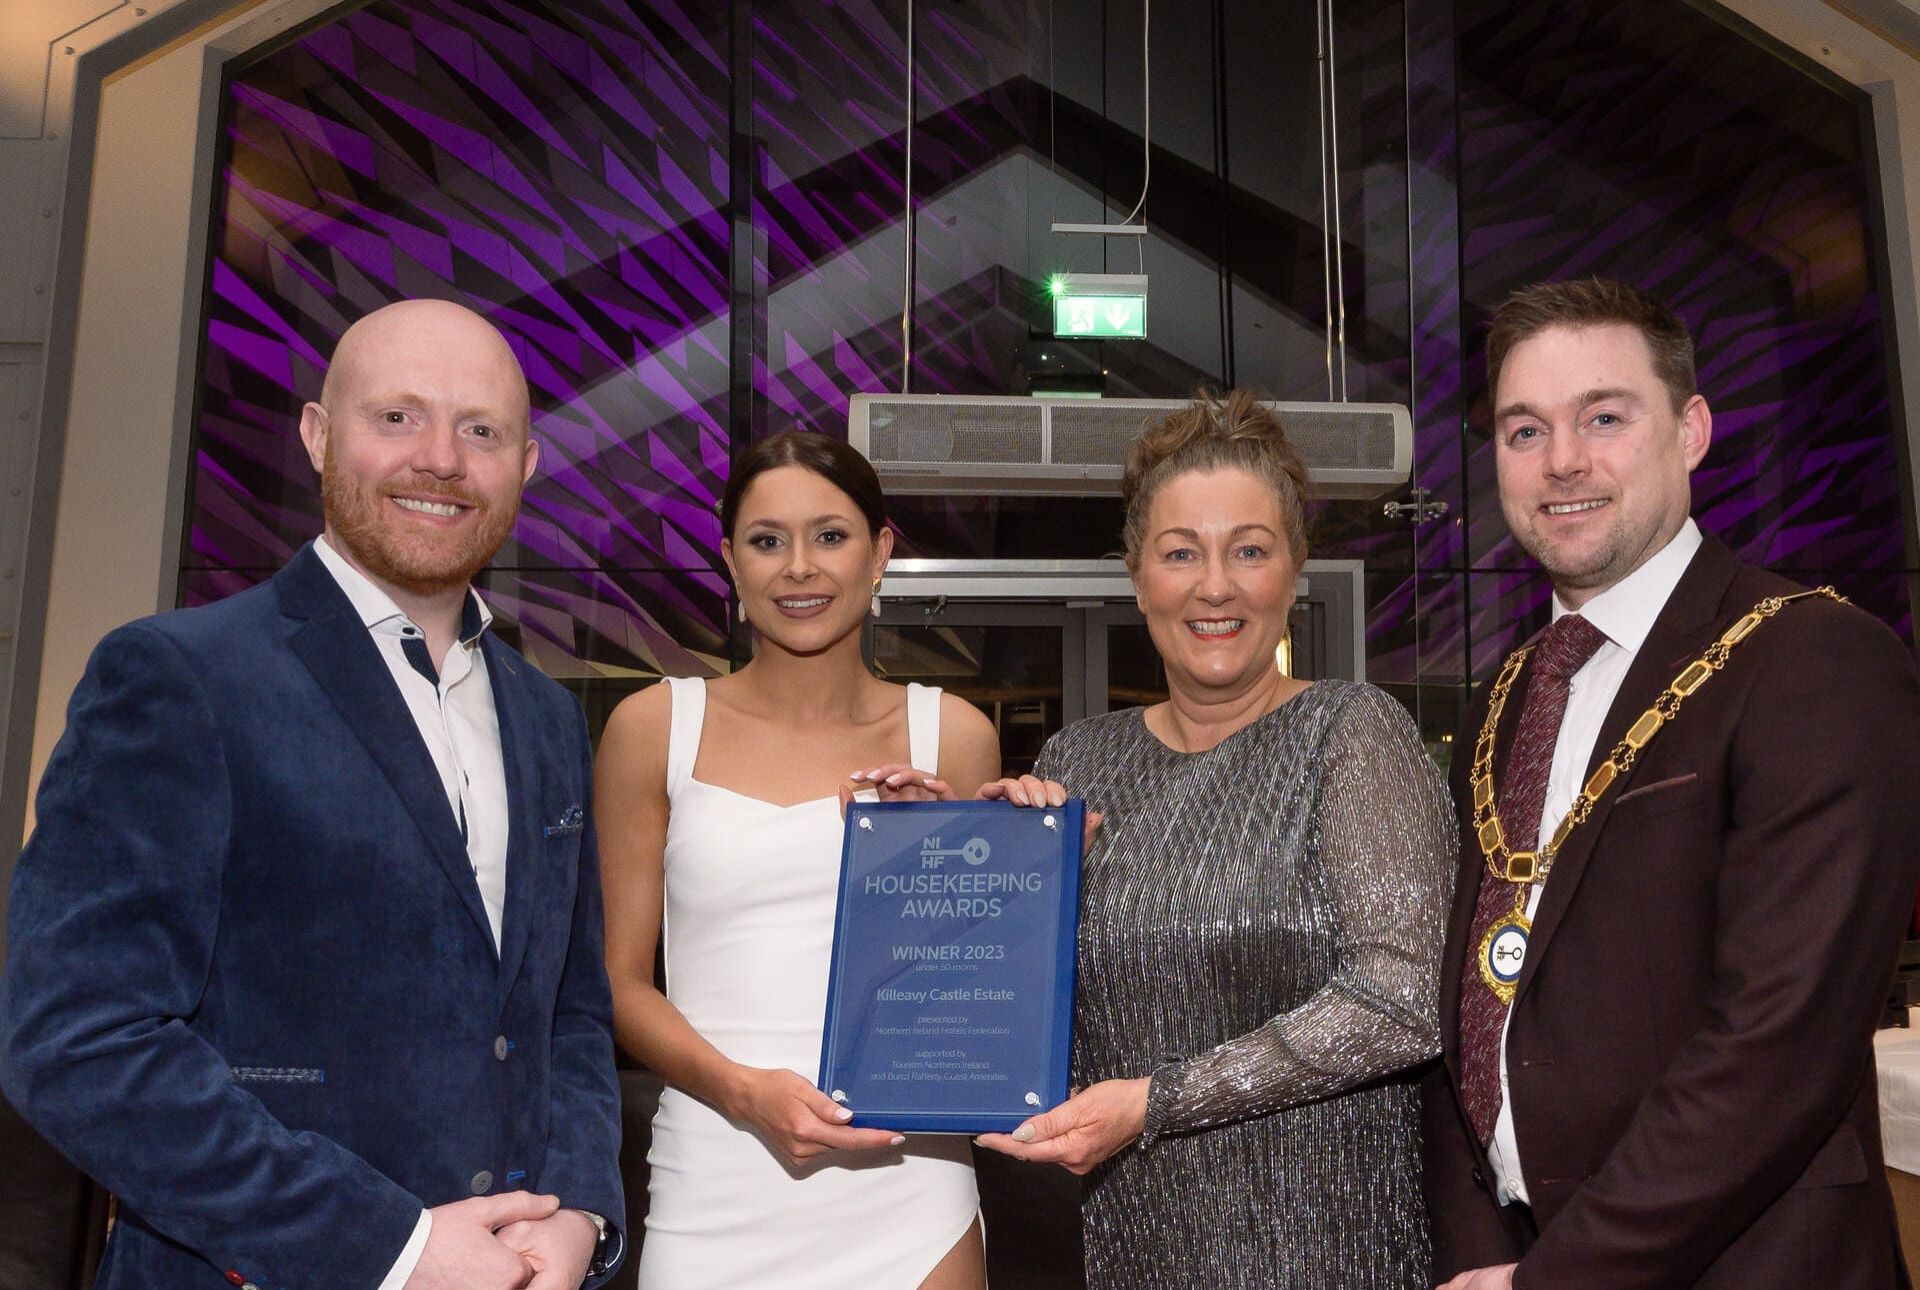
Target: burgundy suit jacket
(1689, 1053)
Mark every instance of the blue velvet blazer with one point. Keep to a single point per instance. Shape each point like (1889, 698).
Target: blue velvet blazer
(250, 985)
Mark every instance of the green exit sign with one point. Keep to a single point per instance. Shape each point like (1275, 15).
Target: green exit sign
(1099, 306)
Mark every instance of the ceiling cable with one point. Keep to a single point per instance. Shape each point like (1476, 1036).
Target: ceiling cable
(1339, 243)
(1146, 109)
(906, 303)
(1326, 223)
(1053, 138)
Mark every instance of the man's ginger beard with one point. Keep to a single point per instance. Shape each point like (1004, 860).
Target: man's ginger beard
(414, 562)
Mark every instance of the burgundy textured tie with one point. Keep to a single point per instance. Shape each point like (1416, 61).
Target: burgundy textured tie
(1562, 650)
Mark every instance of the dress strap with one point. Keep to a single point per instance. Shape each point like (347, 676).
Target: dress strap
(683, 736)
(923, 727)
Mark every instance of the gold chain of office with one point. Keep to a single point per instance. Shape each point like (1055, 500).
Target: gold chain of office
(1528, 867)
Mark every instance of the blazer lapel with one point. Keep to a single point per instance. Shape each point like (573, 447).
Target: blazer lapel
(519, 726)
(1684, 628)
(337, 648)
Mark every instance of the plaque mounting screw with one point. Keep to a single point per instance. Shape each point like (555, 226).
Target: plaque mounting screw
(1032, 1099)
(866, 823)
(839, 1096)
(1050, 822)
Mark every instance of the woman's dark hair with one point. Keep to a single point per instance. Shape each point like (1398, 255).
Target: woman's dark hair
(827, 457)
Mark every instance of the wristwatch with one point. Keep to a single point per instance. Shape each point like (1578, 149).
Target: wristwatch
(603, 1251)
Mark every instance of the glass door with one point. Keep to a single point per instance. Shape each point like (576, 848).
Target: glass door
(1018, 663)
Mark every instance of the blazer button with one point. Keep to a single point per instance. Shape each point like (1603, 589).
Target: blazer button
(500, 1048)
(482, 1181)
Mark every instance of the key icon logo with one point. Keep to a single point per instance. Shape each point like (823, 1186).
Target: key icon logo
(974, 851)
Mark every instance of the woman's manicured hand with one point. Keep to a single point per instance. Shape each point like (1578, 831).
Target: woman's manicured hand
(896, 783)
(1091, 1125)
(1026, 790)
(796, 1119)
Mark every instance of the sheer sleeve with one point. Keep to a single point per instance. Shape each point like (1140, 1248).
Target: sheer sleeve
(1386, 865)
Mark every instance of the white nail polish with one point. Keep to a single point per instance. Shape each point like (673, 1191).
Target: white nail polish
(897, 1140)
(1023, 1134)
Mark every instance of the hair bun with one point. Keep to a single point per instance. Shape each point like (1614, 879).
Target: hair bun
(1235, 430)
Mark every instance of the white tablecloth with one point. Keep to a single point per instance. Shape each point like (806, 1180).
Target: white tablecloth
(1897, 1052)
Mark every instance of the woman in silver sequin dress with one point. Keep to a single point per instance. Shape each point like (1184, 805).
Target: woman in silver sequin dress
(1262, 913)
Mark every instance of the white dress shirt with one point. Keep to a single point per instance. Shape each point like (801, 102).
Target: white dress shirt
(453, 710)
(1624, 613)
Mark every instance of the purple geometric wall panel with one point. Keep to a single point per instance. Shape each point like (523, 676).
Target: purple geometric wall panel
(561, 168)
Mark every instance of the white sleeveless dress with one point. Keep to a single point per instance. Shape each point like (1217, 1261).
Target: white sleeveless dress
(748, 929)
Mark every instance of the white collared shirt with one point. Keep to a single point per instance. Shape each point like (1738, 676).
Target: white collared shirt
(1624, 613)
(456, 719)
(460, 726)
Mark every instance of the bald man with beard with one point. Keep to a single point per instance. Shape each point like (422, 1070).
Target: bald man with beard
(304, 955)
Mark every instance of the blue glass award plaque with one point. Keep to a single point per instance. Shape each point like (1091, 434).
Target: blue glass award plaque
(950, 1004)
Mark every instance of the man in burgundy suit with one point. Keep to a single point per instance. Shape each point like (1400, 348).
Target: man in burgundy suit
(1674, 929)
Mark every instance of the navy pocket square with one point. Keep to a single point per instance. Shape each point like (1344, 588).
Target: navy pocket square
(572, 820)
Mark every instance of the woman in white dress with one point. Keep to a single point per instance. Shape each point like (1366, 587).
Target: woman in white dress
(718, 806)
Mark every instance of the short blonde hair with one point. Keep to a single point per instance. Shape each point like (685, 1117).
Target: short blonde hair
(1235, 430)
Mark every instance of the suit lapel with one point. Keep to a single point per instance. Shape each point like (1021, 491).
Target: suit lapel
(1684, 628)
(338, 650)
(1452, 974)
(518, 754)
(1466, 892)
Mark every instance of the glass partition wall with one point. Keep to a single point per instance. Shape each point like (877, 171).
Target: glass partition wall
(704, 223)
(696, 224)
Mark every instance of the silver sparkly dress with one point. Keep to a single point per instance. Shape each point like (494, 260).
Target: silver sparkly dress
(1261, 928)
